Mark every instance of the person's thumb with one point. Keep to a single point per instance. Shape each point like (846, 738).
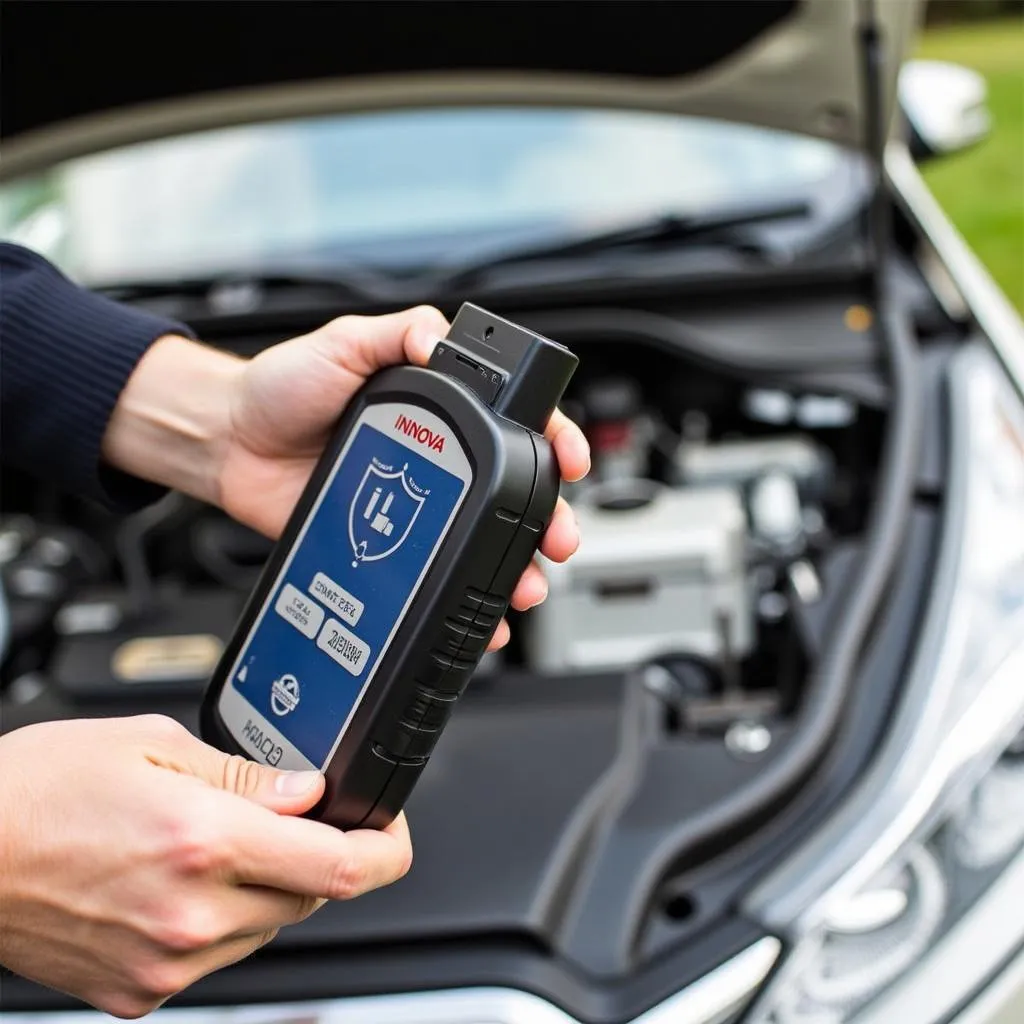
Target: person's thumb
(280, 791)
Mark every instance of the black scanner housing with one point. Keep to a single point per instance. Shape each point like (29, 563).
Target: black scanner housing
(467, 586)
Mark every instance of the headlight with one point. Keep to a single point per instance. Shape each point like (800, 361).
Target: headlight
(940, 813)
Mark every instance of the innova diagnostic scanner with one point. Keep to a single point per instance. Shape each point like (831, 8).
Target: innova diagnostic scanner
(395, 568)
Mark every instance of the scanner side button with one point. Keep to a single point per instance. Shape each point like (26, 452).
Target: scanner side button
(428, 710)
(479, 599)
(487, 616)
(465, 615)
(453, 629)
(464, 640)
(405, 744)
(456, 680)
(481, 610)
(421, 724)
(442, 672)
(392, 758)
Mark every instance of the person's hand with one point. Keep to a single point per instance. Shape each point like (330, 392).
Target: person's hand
(134, 859)
(246, 434)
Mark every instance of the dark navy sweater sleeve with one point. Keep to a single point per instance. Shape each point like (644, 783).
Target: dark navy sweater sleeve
(66, 356)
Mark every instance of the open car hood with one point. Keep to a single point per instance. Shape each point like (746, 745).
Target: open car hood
(83, 77)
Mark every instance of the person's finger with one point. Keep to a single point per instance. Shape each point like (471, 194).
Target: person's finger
(279, 791)
(531, 589)
(500, 637)
(293, 855)
(253, 909)
(365, 344)
(420, 342)
(399, 830)
(570, 446)
(562, 537)
(181, 970)
(309, 857)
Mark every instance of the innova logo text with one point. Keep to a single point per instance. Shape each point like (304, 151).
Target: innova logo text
(420, 433)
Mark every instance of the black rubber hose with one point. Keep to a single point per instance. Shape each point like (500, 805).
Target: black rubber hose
(130, 542)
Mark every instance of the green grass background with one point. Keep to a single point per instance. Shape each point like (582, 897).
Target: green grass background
(982, 190)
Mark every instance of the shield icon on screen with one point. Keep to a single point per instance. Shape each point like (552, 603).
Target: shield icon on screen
(382, 513)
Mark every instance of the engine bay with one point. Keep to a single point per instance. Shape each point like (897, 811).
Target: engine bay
(710, 504)
(735, 459)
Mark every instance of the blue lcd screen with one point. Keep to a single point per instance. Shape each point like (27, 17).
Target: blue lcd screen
(329, 616)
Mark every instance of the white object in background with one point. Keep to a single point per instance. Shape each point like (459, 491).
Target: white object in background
(775, 512)
(655, 578)
(946, 104)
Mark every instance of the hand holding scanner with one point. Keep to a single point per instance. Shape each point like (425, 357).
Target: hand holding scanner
(395, 568)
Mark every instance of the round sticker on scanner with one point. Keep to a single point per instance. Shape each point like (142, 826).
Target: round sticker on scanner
(395, 568)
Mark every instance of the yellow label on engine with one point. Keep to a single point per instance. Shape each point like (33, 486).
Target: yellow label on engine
(153, 659)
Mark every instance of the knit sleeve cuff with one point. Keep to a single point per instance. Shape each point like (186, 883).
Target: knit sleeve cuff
(68, 354)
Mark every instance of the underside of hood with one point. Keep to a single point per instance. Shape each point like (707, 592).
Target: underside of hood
(78, 77)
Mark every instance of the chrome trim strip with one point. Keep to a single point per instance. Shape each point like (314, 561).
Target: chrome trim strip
(719, 994)
(709, 1000)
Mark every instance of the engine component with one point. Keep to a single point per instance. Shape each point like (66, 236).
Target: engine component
(765, 405)
(822, 412)
(710, 699)
(812, 412)
(617, 428)
(170, 649)
(737, 463)
(748, 740)
(39, 568)
(775, 513)
(230, 553)
(658, 573)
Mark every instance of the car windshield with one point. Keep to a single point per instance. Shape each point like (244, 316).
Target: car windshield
(395, 188)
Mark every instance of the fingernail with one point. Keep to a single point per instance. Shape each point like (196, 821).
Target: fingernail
(295, 783)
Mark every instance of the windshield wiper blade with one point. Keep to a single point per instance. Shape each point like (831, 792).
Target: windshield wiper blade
(245, 291)
(724, 227)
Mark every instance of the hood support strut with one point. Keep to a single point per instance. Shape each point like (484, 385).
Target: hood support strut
(878, 217)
